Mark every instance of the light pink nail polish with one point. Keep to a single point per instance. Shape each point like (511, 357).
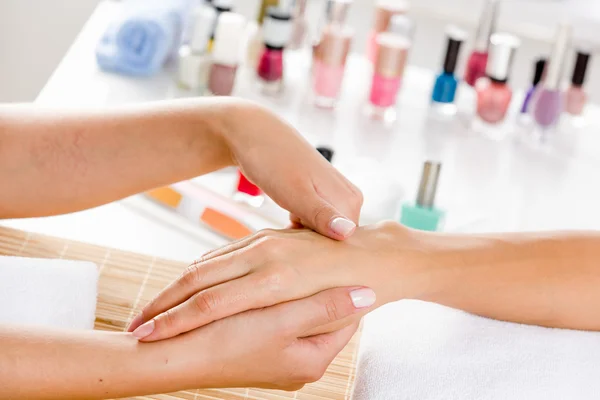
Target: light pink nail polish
(363, 297)
(144, 330)
(342, 226)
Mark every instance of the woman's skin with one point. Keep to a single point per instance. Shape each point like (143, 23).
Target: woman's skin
(57, 161)
(265, 348)
(547, 279)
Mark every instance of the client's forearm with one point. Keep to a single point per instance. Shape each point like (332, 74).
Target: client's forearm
(548, 279)
(57, 161)
(50, 364)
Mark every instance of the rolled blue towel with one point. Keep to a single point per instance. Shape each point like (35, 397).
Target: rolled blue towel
(140, 42)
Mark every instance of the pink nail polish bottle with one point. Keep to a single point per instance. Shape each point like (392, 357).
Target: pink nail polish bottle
(576, 96)
(387, 75)
(478, 59)
(336, 13)
(329, 63)
(384, 11)
(226, 53)
(299, 25)
(493, 93)
(277, 30)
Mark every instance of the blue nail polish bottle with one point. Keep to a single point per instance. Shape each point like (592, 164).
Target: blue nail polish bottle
(446, 83)
(422, 215)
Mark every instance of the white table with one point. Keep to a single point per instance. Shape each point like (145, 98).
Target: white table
(485, 185)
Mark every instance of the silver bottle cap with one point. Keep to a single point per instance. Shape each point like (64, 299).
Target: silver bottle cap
(487, 25)
(402, 25)
(554, 68)
(428, 185)
(336, 11)
(502, 51)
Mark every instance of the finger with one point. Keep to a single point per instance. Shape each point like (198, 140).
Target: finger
(326, 307)
(333, 341)
(196, 277)
(321, 216)
(209, 305)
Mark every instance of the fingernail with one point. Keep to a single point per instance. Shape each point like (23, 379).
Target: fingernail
(342, 226)
(136, 321)
(362, 298)
(144, 330)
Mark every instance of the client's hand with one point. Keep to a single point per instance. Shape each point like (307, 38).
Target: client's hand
(267, 347)
(276, 266)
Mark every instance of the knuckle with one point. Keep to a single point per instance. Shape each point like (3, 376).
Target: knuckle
(205, 302)
(320, 211)
(168, 320)
(276, 278)
(332, 310)
(311, 374)
(193, 275)
(264, 233)
(270, 245)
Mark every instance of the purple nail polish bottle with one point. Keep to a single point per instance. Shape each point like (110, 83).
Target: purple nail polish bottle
(548, 103)
(540, 64)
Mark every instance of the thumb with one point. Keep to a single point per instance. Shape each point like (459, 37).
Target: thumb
(328, 221)
(325, 307)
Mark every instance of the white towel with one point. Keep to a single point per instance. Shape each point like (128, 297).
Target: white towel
(416, 350)
(54, 293)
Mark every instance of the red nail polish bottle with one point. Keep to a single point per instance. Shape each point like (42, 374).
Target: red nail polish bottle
(479, 57)
(277, 30)
(248, 192)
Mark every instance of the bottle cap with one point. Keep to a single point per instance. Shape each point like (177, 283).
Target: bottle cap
(277, 27)
(262, 11)
(336, 11)
(385, 10)
(334, 46)
(402, 25)
(540, 64)
(228, 36)
(204, 20)
(487, 25)
(502, 51)
(456, 37)
(428, 185)
(326, 152)
(557, 58)
(581, 63)
(222, 5)
(391, 54)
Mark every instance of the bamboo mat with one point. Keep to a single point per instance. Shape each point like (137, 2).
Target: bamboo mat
(128, 280)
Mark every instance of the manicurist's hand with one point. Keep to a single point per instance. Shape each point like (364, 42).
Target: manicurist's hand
(277, 266)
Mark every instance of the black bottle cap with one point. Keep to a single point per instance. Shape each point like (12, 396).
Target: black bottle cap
(326, 152)
(540, 64)
(455, 38)
(579, 71)
(279, 13)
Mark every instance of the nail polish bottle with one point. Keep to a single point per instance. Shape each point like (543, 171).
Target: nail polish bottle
(247, 192)
(493, 92)
(299, 25)
(220, 7)
(444, 89)
(402, 25)
(277, 29)
(423, 215)
(329, 64)
(387, 75)
(226, 53)
(576, 96)
(326, 152)
(336, 13)
(477, 61)
(384, 11)
(194, 59)
(548, 99)
(540, 64)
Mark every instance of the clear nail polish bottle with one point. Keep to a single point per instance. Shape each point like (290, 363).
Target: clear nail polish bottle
(388, 70)
(247, 192)
(493, 93)
(547, 102)
(423, 215)
(277, 30)
(194, 59)
(226, 53)
(299, 25)
(446, 83)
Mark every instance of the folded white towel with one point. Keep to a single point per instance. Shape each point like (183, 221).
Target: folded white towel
(56, 293)
(416, 350)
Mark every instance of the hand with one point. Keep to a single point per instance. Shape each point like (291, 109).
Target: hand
(276, 158)
(267, 348)
(276, 266)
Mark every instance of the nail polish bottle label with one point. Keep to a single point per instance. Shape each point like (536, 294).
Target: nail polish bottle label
(384, 91)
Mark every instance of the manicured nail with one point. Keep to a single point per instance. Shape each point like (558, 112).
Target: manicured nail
(342, 226)
(136, 321)
(362, 298)
(144, 330)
